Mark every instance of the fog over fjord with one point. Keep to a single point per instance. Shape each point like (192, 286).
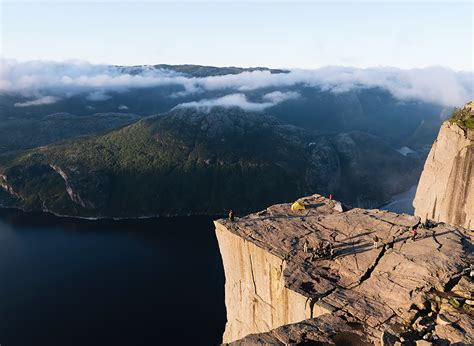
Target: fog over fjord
(46, 82)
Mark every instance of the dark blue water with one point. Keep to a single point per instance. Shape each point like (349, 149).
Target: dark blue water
(129, 282)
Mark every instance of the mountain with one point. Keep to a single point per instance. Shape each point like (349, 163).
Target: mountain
(446, 188)
(202, 162)
(300, 138)
(374, 111)
(196, 70)
(30, 132)
(369, 109)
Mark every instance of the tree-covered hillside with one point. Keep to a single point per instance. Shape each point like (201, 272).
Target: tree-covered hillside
(193, 162)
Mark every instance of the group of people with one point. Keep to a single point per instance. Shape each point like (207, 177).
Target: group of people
(324, 250)
(376, 239)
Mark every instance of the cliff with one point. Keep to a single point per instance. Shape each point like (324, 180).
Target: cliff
(446, 188)
(403, 289)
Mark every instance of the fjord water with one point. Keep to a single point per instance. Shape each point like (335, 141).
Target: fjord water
(402, 202)
(129, 282)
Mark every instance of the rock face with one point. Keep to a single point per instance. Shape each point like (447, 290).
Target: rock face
(446, 188)
(88, 193)
(327, 329)
(6, 186)
(391, 284)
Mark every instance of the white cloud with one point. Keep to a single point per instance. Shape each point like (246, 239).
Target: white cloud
(122, 107)
(232, 100)
(240, 100)
(38, 78)
(45, 100)
(278, 96)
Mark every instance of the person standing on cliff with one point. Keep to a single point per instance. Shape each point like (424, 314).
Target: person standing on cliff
(305, 246)
(376, 241)
(231, 216)
(414, 234)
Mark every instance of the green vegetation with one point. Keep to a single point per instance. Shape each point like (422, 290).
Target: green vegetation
(191, 162)
(463, 117)
(469, 123)
(165, 165)
(19, 133)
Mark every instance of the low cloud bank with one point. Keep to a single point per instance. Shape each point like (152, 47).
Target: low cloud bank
(278, 96)
(51, 81)
(45, 100)
(240, 100)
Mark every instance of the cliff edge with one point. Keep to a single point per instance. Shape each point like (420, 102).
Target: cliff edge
(446, 188)
(374, 283)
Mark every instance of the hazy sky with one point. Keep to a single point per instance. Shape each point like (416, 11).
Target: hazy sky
(265, 33)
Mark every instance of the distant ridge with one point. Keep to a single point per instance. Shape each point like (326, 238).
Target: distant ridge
(198, 70)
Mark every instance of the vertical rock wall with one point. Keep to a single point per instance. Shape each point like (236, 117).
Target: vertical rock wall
(255, 296)
(446, 188)
(276, 276)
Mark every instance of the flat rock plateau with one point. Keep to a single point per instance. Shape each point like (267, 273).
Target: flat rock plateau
(385, 290)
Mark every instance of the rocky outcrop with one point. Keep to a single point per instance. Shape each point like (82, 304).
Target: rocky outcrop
(446, 188)
(7, 187)
(87, 191)
(254, 287)
(391, 284)
(73, 195)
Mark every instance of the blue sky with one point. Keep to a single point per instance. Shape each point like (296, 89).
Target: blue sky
(265, 33)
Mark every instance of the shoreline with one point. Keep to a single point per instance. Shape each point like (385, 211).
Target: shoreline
(105, 218)
(398, 198)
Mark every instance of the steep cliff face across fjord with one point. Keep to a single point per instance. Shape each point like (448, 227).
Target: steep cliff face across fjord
(391, 287)
(446, 188)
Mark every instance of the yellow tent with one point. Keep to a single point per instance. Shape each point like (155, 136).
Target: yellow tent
(297, 206)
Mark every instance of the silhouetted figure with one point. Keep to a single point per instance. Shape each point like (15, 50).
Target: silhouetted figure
(392, 244)
(429, 224)
(231, 216)
(324, 250)
(330, 251)
(320, 250)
